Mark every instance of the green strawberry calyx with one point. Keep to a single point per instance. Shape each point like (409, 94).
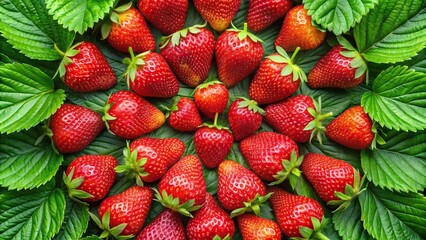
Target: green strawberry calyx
(290, 170)
(107, 117)
(174, 38)
(72, 185)
(251, 105)
(243, 34)
(357, 61)
(173, 107)
(290, 68)
(315, 232)
(215, 124)
(133, 63)
(252, 206)
(134, 166)
(66, 58)
(174, 204)
(217, 237)
(113, 18)
(316, 125)
(107, 230)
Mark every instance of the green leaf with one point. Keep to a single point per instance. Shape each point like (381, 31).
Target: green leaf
(398, 99)
(78, 15)
(338, 16)
(75, 222)
(400, 34)
(24, 165)
(31, 214)
(30, 29)
(27, 97)
(211, 177)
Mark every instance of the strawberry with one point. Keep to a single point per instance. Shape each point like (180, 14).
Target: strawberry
(183, 189)
(244, 118)
(218, 14)
(297, 31)
(149, 75)
(261, 14)
(210, 222)
(253, 227)
(238, 53)
(85, 69)
(89, 177)
(211, 98)
(166, 15)
(184, 115)
(127, 28)
(239, 189)
(124, 214)
(298, 117)
(129, 116)
(147, 159)
(166, 226)
(189, 52)
(298, 216)
(74, 127)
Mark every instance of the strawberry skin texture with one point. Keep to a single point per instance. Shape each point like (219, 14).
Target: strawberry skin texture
(186, 118)
(74, 127)
(242, 121)
(297, 31)
(211, 99)
(352, 129)
(218, 14)
(268, 86)
(134, 116)
(98, 172)
(253, 227)
(192, 58)
(265, 152)
(131, 207)
(89, 70)
(210, 221)
(292, 211)
(262, 13)
(166, 15)
(166, 226)
(333, 70)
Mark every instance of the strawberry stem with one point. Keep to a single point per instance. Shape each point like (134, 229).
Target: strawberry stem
(294, 54)
(216, 115)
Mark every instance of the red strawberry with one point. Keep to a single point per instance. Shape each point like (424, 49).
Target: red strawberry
(189, 52)
(297, 31)
(244, 118)
(127, 28)
(239, 189)
(166, 226)
(89, 177)
(85, 69)
(147, 159)
(238, 53)
(261, 14)
(149, 75)
(166, 15)
(124, 214)
(218, 14)
(298, 117)
(352, 128)
(183, 189)
(184, 115)
(209, 222)
(253, 227)
(74, 127)
(276, 79)
(298, 216)
(211, 98)
(129, 116)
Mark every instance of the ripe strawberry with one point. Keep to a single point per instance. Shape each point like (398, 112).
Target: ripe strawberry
(183, 189)
(127, 28)
(129, 116)
(244, 118)
(209, 222)
(277, 78)
(89, 177)
(189, 52)
(184, 115)
(166, 226)
(166, 15)
(149, 75)
(297, 31)
(298, 216)
(239, 189)
(85, 69)
(147, 159)
(74, 127)
(124, 214)
(352, 128)
(238, 53)
(253, 227)
(261, 14)
(218, 14)
(211, 98)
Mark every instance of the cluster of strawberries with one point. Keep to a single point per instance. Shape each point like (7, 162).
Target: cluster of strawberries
(186, 55)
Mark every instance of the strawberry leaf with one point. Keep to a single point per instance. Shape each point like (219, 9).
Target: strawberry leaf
(75, 222)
